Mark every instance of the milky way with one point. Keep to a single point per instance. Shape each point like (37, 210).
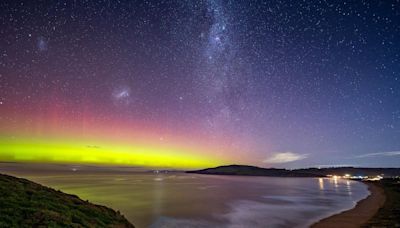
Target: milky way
(304, 83)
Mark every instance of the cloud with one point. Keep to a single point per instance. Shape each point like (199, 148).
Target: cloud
(379, 154)
(284, 157)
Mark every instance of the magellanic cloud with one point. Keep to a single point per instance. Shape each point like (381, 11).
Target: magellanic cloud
(284, 157)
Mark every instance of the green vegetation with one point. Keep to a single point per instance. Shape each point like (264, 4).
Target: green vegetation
(389, 214)
(26, 204)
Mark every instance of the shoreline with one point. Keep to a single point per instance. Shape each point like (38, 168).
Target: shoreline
(364, 210)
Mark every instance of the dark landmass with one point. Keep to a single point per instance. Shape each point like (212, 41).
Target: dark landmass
(389, 214)
(27, 204)
(353, 171)
(310, 172)
(246, 170)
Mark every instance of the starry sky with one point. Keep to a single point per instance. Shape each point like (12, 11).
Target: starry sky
(199, 83)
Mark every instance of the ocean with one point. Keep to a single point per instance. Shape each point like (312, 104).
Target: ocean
(193, 200)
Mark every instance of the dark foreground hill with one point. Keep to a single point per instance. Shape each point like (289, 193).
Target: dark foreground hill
(26, 204)
(310, 172)
(246, 170)
(389, 214)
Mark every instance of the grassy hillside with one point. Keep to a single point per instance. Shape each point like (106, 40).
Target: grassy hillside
(27, 204)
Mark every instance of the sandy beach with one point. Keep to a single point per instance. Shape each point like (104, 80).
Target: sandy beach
(360, 214)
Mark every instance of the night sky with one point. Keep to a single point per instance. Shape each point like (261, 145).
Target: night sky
(200, 83)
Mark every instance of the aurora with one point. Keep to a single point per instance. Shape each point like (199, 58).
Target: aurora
(100, 153)
(285, 84)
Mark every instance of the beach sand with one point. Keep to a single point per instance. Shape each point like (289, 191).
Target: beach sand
(360, 214)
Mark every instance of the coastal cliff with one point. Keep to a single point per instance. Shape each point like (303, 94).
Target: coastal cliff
(28, 204)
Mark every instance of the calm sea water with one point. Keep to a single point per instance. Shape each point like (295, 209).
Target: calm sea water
(190, 200)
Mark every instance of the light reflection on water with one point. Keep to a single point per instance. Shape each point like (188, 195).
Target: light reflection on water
(181, 200)
(321, 184)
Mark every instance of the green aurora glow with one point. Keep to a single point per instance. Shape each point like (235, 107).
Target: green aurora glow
(72, 152)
